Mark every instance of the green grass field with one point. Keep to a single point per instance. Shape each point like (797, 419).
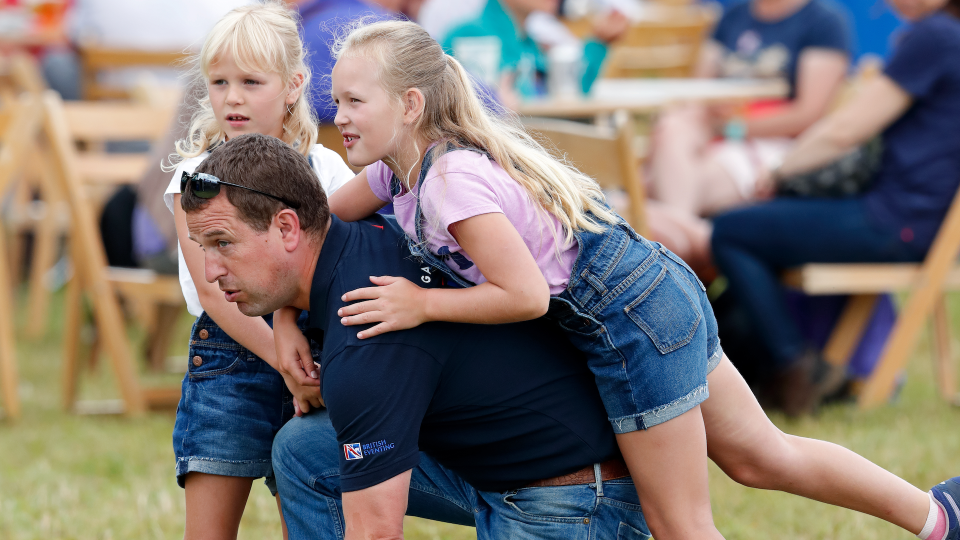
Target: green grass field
(88, 477)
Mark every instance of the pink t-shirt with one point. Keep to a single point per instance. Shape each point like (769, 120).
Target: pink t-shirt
(472, 185)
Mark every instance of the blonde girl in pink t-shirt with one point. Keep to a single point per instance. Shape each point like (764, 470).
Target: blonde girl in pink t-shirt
(480, 199)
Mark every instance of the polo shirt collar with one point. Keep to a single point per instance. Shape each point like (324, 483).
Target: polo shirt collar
(330, 252)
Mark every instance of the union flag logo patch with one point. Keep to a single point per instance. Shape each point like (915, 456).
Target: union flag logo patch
(352, 451)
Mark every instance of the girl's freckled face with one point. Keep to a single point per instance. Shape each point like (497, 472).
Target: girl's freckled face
(368, 118)
(247, 102)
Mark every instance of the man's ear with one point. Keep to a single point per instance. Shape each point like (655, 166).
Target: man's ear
(413, 105)
(288, 223)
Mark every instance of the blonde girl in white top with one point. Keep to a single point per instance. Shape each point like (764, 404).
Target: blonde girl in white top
(234, 401)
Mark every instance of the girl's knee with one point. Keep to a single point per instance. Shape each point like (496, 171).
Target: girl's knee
(761, 465)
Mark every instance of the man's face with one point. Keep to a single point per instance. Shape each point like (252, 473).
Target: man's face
(246, 264)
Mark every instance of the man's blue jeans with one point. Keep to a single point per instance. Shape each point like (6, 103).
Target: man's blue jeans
(306, 461)
(753, 244)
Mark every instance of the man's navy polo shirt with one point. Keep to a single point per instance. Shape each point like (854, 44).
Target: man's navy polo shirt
(501, 405)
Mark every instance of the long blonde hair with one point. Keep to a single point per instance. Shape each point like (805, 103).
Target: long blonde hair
(264, 38)
(407, 57)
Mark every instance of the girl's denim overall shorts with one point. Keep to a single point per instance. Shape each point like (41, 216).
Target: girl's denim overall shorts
(635, 309)
(231, 407)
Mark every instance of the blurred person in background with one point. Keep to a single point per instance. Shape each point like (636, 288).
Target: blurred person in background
(497, 49)
(914, 106)
(39, 28)
(438, 17)
(146, 26)
(805, 42)
(323, 20)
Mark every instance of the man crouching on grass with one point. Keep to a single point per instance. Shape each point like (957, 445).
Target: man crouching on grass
(496, 426)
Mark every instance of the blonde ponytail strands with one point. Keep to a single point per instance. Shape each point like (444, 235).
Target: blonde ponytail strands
(408, 57)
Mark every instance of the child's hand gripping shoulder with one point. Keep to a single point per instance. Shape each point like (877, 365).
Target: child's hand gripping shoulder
(293, 349)
(515, 289)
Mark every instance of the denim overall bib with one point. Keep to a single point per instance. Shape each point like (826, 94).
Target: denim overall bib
(635, 309)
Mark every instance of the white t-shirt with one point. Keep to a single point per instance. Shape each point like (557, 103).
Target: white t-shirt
(331, 171)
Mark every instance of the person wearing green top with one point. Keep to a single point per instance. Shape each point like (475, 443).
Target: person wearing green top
(522, 63)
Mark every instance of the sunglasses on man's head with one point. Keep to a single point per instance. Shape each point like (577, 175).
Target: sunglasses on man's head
(207, 186)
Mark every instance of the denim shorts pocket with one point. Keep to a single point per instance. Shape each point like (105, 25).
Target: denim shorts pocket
(626, 532)
(676, 258)
(665, 312)
(216, 359)
(551, 504)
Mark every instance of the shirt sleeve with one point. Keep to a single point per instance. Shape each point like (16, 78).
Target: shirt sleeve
(330, 168)
(916, 64)
(379, 177)
(188, 165)
(463, 188)
(831, 30)
(377, 396)
(594, 53)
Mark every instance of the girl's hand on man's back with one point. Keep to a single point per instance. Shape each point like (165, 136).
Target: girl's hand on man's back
(396, 303)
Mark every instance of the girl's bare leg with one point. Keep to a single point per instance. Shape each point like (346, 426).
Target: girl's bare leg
(684, 234)
(668, 463)
(743, 442)
(681, 135)
(685, 173)
(215, 505)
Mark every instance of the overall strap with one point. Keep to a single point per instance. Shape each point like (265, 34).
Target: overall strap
(416, 244)
(428, 159)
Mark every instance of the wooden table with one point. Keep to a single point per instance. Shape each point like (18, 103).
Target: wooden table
(647, 95)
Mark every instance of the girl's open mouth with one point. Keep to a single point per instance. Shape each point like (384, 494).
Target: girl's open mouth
(236, 120)
(349, 139)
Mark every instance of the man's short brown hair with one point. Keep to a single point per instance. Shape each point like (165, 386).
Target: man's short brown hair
(270, 165)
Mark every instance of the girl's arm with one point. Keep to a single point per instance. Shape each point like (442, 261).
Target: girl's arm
(876, 106)
(820, 72)
(355, 200)
(293, 350)
(515, 289)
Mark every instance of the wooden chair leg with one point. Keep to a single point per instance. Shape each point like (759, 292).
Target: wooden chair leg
(46, 239)
(906, 330)
(72, 322)
(18, 244)
(849, 329)
(943, 355)
(44, 257)
(8, 363)
(159, 344)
